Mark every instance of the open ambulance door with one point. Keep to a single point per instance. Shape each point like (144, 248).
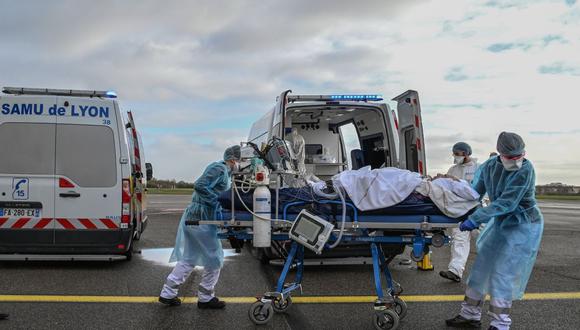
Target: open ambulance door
(411, 138)
(137, 184)
(280, 120)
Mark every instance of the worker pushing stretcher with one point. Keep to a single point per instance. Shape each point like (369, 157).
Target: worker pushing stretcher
(383, 208)
(385, 202)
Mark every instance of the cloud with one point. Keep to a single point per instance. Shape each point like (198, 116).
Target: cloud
(575, 131)
(501, 47)
(558, 68)
(458, 74)
(197, 74)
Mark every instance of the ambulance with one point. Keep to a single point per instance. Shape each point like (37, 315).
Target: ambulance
(346, 132)
(71, 176)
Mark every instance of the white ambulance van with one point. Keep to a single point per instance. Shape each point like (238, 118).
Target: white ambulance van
(348, 131)
(71, 185)
(344, 132)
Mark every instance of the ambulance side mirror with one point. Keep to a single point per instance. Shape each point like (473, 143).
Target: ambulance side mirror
(149, 171)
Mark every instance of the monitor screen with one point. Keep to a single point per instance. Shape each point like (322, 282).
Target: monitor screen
(308, 229)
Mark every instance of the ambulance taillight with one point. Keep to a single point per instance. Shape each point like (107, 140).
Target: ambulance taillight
(126, 203)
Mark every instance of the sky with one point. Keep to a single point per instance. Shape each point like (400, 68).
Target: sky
(197, 74)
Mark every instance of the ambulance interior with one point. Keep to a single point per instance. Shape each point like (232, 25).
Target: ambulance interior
(338, 138)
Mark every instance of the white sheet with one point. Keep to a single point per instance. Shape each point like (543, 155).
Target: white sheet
(378, 188)
(453, 198)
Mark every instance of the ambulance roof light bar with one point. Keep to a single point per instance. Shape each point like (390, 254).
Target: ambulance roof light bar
(334, 97)
(58, 92)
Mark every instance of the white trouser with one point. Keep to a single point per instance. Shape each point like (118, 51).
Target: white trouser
(459, 251)
(205, 290)
(499, 309)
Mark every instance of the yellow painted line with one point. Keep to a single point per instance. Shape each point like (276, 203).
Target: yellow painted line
(248, 300)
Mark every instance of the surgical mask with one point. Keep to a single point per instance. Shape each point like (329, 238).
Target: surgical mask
(458, 159)
(512, 165)
(235, 167)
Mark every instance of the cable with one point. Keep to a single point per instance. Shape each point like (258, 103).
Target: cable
(318, 189)
(254, 214)
(338, 190)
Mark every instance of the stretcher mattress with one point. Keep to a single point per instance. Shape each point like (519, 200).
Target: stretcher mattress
(411, 210)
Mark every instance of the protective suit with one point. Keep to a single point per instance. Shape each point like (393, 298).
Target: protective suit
(299, 148)
(199, 245)
(508, 246)
(464, 171)
(460, 245)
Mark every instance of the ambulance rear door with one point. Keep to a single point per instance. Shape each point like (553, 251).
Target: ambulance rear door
(88, 204)
(137, 168)
(27, 168)
(411, 138)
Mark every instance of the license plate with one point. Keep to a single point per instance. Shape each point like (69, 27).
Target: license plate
(28, 213)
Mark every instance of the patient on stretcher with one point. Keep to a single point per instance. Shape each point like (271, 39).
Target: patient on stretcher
(386, 191)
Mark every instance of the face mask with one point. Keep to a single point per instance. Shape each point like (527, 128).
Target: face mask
(458, 159)
(512, 165)
(235, 167)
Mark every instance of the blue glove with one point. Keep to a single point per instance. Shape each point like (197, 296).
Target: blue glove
(468, 225)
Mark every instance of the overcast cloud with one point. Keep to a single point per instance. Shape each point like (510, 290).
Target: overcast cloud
(198, 73)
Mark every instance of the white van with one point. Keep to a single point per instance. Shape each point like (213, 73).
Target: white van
(71, 184)
(354, 130)
(345, 132)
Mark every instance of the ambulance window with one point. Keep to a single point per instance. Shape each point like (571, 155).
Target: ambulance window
(86, 155)
(351, 141)
(27, 148)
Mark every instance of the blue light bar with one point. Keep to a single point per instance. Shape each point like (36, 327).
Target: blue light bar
(363, 97)
(111, 94)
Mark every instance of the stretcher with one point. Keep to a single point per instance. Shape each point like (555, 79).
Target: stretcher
(415, 222)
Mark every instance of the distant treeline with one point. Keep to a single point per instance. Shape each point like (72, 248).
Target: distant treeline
(168, 184)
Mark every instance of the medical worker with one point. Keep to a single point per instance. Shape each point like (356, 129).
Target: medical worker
(508, 246)
(464, 168)
(199, 245)
(299, 149)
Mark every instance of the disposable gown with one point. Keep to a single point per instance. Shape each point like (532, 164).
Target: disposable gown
(508, 246)
(199, 245)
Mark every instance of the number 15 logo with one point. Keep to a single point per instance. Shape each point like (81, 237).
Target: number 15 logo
(20, 186)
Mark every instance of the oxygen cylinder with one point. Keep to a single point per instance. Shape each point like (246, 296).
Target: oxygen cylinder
(262, 207)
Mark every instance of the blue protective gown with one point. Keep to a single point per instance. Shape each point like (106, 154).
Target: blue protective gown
(199, 245)
(508, 246)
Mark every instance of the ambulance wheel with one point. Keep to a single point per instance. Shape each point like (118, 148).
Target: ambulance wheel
(415, 258)
(400, 308)
(386, 319)
(260, 314)
(280, 306)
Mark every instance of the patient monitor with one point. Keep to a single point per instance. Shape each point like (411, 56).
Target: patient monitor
(311, 231)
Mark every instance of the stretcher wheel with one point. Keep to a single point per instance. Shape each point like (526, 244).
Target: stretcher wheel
(415, 258)
(280, 306)
(438, 240)
(400, 308)
(386, 319)
(261, 313)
